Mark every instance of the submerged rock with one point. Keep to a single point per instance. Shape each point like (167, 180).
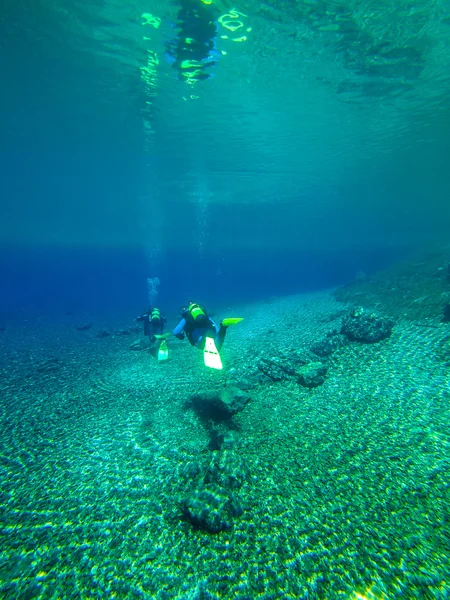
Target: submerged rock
(220, 406)
(275, 369)
(446, 315)
(245, 378)
(329, 344)
(227, 469)
(234, 399)
(312, 375)
(284, 366)
(300, 366)
(211, 508)
(369, 328)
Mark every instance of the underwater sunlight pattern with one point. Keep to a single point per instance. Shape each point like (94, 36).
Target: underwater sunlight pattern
(225, 299)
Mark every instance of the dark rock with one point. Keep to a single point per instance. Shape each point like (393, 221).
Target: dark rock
(103, 333)
(293, 365)
(301, 357)
(219, 406)
(312, 375)
(446, 315)
(234, 399)
(211, 508)
(83, 326)
(122, 332)
(246, 383)
(227, 469)
(274, 368)
(285, 366)
(2, 328)
(369, 328)
(329, 344)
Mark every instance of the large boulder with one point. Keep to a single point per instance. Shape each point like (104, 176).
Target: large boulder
(367, 327)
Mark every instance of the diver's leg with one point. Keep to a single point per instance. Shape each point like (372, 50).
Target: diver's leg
(220, 338)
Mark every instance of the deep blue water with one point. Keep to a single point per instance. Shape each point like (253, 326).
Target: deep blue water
(271, 183)
(96, 281)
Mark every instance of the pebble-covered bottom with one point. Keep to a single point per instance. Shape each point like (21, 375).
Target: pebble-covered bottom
(347, 493)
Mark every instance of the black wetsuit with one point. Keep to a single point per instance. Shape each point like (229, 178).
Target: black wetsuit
(152, 326)
(197, 332)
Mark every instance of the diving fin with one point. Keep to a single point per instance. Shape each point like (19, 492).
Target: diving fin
(164, 336)
(163, 350)
(231, 321)
(211, 355)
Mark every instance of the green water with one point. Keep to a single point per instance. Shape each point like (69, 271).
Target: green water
(327, 112)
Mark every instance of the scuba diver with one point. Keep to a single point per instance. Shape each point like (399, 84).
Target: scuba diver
(153, 323)
(193, 51)
(203, 332)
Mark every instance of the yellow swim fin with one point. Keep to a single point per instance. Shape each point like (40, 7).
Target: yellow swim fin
(211, 355)
(231, 321)
(164, 336)
(163, 351)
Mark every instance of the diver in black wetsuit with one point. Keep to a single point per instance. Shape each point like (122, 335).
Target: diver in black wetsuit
(154, 323)
(192, 52)
(197, 325)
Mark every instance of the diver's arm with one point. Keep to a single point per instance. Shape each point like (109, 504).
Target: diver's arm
(178, 331)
